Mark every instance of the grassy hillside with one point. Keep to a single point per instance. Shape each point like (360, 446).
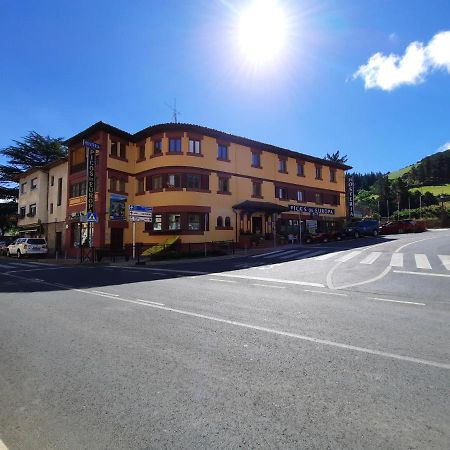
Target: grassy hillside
(435, 190)
(399, 173)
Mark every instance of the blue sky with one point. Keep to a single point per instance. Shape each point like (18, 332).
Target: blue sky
(66, 65)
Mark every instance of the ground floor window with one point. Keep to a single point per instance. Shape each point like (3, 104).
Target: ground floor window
(157, 222)
(174, 221)
(194, 222)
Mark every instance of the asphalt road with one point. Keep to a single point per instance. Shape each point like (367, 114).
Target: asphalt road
(343, 345)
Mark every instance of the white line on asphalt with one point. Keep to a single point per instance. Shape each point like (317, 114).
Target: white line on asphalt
(423, 273)
(35, 270)
(312, 255)
(445, 259)
(395, 301)
(371, 258)
(269, 286)
(3, 446)
(349, 256)
(326, 293)
(271, 330)
(287, 254)
(422, 261)
(328, 255)
(105, 293)
(4, 266)
(149, 301)
(38, 279)
(272, 280)
(221, 281)
(263, 255)
(296, 254)
(396, 260)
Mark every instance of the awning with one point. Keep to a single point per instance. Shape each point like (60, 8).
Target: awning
(267, 207)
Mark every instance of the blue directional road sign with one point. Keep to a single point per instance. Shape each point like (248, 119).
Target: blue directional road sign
(91, 144)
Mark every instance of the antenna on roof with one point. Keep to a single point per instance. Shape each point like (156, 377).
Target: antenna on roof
(175, 112)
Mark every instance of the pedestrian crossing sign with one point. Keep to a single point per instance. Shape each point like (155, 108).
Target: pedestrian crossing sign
(91, 217)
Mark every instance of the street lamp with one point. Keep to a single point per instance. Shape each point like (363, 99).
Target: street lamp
(420, 205)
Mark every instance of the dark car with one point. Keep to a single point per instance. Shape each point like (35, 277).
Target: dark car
(368, 227)
(402, 226)
(309, 238)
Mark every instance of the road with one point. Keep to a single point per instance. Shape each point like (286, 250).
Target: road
(341, 345)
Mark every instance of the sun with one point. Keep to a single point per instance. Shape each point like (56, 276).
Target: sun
(262, 31)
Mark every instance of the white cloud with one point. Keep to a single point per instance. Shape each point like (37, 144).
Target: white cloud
(389, 72)
(444, 147)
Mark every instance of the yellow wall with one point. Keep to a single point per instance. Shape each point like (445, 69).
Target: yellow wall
(241, 187)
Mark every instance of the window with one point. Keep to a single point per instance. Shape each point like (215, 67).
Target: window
(59, 197)
(222, 152)
(174, 221)
(114, 148)
(282, 166)
(223, 184)
(193, 182)
(157, 182)
(300, 169)
(194, 222)
(300, 196)
(157, 147)
(194, 146)
(141, 152)
(77, 190)
(140, 186)
(319, 199)
(52, 180)
(32, 212)
(335, 199)
(33, 183)
(219, 222)
(282, 193)
(175, 145)
(318, 173)
(122, 186)
(157, 222)
(256, 159)
(333, 175)
(23, 188)
(51, 208)
(22, 212)
(123, 150)
(256, 189)
(113, 184)
(173, 181)
(227, 222)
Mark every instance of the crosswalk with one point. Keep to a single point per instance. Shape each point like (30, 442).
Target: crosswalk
(8, 265)
(395, 260)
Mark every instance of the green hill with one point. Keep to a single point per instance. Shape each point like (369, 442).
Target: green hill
(401, 172)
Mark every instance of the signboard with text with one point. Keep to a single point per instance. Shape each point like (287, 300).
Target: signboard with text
(311, 209)
(139, 213)
(350, 196)
(91, 150)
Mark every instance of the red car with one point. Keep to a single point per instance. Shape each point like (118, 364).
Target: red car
(402, 226)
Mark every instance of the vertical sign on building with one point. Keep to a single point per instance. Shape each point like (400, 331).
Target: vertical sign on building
(350, 196)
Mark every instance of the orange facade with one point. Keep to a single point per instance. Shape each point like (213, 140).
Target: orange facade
(203, 185)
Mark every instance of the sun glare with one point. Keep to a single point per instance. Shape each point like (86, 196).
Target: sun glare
(262, 31)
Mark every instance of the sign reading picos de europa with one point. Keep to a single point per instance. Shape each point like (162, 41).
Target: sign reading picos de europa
(91, 149)
(312, 210)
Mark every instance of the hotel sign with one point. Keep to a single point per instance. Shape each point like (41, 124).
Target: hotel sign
(91, 150)
(311, 210)
(350, 196)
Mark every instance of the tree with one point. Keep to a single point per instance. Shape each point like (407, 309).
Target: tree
(8, 216)
(336, 157)
(33, 151)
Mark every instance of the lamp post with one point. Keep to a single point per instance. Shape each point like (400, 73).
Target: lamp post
(420, 205)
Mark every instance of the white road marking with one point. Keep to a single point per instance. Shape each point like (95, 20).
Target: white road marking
(269, 286)
(296, 255)
(149, 301)
(221, 281)
(3, 446)
(314, 340)
(371, 258)
(36, 269)
(422, 261)
(349, 256)
(395, 301)
(272, 280)
(105, 293)
(423, 273)
(326, 293)
(312, 255)
(263, 255)
(328, 255)
(396, 260)
(287, 254)
(445, 259)
(4, 266)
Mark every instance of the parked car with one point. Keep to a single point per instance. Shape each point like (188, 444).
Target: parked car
(27, 247)
(4, 242)
(367, 227)
(309, 238)
(336, 235)
(402, 226)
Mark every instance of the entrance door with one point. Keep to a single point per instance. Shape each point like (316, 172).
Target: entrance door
(116, 238)
(58, 241)
(257, 225)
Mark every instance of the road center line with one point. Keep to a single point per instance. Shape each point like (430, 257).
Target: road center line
(221, 281)
(327, 293)
(395, 301)
(269, 286)
(314, 340)
(271, 280)
(423, 273)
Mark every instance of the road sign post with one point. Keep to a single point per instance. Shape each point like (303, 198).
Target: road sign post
(138, 213)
